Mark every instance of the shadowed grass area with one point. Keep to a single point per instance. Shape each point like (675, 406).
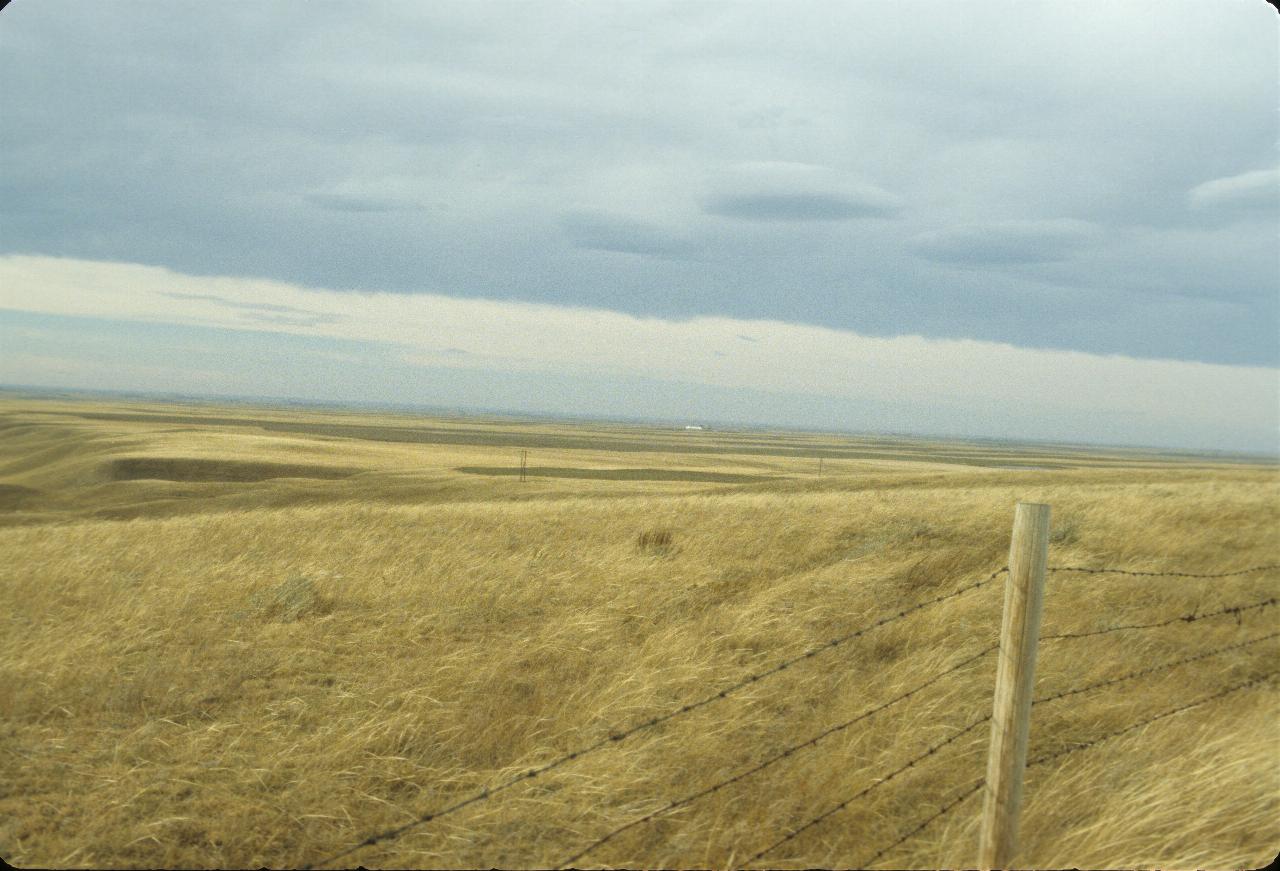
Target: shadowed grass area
(14, 496)
(266, 671)
(203, 470)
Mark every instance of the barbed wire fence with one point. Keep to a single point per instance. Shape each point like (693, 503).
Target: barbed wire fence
(782, 754)
(974, 787)
(621, 735)
(777, 757)
(1041, 700)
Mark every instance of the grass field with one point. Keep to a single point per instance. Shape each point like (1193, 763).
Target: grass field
(242, 636)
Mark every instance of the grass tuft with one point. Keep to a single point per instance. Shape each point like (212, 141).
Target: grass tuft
(291, 600)
(655, 541)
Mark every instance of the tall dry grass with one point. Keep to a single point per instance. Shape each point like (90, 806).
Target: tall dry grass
(267, 686)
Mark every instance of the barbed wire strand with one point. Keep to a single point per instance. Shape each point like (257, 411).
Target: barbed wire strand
(1253, 681)
(1153, 669)
(777, 757)
(873, 786)
(941, 812)
(617, 737)
(1041, 700)
(1237, 610)
(1040, 760)
(1150, 574)
(783, 754)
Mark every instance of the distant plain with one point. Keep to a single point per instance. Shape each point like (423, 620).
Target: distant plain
(242, 636)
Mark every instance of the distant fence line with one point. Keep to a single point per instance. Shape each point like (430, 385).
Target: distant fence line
(1024, 589)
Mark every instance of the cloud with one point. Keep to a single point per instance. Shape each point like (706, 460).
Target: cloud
(673, 160)
(293, 320)
(353, 204)
(781, 191)
(231, 303)
(602, 232)
(794, 207)
(1005, 386)
(261, 311)
(1250, 191)
(1005, 242)
(53, 370)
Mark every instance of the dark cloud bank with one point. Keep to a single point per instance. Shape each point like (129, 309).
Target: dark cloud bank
(1012, 171)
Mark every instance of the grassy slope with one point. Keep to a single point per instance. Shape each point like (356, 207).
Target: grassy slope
(249, 673)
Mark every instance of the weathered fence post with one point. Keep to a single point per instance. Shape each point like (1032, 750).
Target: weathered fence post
(1015, 680)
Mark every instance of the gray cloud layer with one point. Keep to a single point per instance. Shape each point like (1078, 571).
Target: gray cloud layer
(603, 232)
(1015, 171)
(1005, 242)
(778, 191)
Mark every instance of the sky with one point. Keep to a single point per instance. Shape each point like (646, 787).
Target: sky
(1021, 219)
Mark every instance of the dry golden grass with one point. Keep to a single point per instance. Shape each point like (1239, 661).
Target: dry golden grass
(236, 672)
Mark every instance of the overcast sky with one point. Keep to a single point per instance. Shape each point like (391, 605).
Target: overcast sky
(1027, 219)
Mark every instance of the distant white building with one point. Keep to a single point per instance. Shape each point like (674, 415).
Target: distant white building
(693, 427)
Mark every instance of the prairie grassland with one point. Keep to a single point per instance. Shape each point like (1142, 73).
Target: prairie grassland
(209, 665)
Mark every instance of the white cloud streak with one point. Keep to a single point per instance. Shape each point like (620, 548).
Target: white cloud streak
(1259, 189)
(1000, 382)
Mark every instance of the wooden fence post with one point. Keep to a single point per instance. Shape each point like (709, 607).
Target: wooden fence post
(1015, 680)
